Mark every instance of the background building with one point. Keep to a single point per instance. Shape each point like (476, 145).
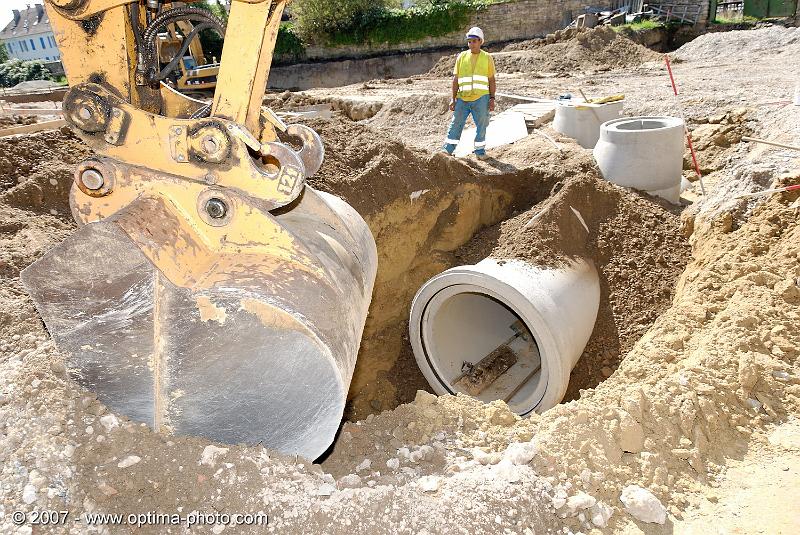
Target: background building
(29, 36)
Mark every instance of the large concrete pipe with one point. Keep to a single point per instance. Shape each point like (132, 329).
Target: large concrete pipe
(582, 122)
(505, 330)
(645, 153)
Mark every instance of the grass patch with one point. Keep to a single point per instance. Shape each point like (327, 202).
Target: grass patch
(639, 26)
(734, 19)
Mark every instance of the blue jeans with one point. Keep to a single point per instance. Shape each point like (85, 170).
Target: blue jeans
(480, 114)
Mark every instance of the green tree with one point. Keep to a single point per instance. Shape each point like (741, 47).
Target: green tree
(15, 71)
(358, 22)
(3, 53)
(210, 39)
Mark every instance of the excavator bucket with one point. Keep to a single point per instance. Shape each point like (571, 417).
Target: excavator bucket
(256, 345)
(208, 290)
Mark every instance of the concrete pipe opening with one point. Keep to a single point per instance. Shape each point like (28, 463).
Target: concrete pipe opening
(644, 123)
(504, 330)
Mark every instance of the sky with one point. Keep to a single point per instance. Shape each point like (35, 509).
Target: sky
(7, 5)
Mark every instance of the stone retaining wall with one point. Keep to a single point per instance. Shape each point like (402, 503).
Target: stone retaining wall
(336, 73)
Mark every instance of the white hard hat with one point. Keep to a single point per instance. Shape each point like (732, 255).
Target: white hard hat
(475, 32)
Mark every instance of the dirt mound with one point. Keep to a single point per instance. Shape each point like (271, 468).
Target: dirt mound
(634, 240)
(427, 116)
(559, 36)
(288, 100)
(600, 49)
(717, 139)
(17, 120)
(741, 45)
(36, 174)
(368, 168)
(23, 156)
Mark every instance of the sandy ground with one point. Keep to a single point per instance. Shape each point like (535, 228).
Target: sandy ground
(752, 497)
(694, 430)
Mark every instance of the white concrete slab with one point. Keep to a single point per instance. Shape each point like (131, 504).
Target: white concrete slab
(504, 128)
(536, 113)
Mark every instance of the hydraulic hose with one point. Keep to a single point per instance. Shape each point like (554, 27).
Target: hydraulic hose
(147, 60)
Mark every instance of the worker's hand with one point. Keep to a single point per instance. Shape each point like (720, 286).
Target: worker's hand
(452, 104)
(491, 104)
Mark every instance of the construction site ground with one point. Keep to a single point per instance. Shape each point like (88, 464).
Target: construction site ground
(689, 386)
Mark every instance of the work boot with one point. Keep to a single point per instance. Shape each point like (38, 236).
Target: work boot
(481, 155)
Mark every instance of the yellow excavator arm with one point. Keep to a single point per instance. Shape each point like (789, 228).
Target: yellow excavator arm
(208, 290)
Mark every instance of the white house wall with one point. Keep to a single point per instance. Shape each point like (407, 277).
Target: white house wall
(42, 47)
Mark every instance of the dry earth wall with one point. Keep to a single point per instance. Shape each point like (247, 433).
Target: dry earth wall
(339, 73)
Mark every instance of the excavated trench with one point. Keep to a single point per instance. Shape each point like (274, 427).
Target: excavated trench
(639, 252)
(421, 209)
(429, 213)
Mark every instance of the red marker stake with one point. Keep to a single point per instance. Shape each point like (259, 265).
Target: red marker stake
(685, 126)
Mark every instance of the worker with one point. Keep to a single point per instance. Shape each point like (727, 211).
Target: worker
(473, 93)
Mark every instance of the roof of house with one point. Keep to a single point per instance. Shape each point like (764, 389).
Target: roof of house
(30, 21)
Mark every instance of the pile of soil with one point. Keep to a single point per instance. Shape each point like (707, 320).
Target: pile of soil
(559, 36)
(36, 174)
(600, 49)
(22, 157)
(634, 240)
(421, 119)
(741, 45)
(288, 100)
(717, 139)
(369, 168)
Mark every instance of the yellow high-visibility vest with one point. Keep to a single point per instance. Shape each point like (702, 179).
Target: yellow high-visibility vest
(473, 83)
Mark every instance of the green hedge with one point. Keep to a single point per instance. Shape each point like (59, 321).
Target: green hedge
(392, 26)
(288, 45)
(371, 22)
(15, 71)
